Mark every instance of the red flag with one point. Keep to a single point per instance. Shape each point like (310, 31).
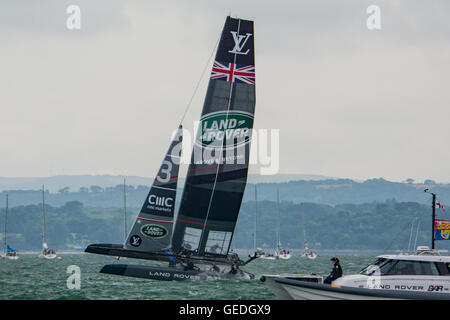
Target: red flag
(439, 205)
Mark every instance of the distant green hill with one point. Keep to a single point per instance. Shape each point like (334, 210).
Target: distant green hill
(374, 225)
(331, 191)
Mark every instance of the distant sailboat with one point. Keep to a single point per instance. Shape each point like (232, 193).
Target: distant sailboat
(261, 254)
(46, 253)
(280, 253)
(10, 253)
(203, 229)
(307, 253)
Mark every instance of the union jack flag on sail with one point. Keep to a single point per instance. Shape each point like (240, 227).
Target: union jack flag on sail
(233, 72)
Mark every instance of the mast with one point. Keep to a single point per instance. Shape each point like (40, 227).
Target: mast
(303, 227)
(434, 217)
(256, 218)
(44, 228)
(6, 220)
(124, 211)
(433, 208)
(278, 219)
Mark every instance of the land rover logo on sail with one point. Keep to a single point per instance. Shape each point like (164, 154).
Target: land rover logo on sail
(234, 127)
(153, 231)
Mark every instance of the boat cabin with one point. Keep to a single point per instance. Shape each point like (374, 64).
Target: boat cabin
(424, 262)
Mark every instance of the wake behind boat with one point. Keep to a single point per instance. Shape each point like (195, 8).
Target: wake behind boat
(201, 234)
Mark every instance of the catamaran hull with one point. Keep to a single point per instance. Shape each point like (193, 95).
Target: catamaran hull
(169, 274)
(301, 290)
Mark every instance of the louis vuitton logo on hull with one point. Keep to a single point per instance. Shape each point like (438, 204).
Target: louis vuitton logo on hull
(239, 43)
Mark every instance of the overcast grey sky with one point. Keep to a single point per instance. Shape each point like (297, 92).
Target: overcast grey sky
(349, 102)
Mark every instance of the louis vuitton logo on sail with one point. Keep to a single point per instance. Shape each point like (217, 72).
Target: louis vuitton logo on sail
(239, 43)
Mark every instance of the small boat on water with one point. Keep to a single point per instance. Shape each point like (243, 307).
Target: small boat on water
(258, 251)
(307, 253)
(9, 252)
(46, 253)
(263, 255)
(280, 253)
(424, 274)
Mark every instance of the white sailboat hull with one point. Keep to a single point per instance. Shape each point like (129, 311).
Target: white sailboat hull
(292, 287)
(268, 257)
(47, 256)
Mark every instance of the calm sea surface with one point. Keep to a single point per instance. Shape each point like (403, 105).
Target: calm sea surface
(32, 278)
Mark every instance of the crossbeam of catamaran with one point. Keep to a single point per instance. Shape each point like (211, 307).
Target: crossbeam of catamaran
(203, 230)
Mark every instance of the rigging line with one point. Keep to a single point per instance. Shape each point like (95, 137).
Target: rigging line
(199, 80)
(417, 233)
(221, 150)
(404, 228)
(410, 234)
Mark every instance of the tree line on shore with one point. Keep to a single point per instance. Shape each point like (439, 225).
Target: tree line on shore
(374, 225)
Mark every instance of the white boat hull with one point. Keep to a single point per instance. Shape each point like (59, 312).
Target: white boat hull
(305, 293)
(278, 289)
(275, 287)
(267, 257)
(47, 256)
(285, 256)
(285, 288)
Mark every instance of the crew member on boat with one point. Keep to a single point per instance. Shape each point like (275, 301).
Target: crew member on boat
(215, 268)
(234, 268)
(335, 273)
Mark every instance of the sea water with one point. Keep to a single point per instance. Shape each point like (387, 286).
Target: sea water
(32, 278)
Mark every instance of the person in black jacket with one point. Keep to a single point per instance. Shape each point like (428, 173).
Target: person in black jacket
(335, 273)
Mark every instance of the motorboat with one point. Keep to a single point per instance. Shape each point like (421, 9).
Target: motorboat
(307, 253)
(283, 254)
(422, 275)
(425, 274)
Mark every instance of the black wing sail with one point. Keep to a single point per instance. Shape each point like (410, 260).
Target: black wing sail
(152, 230)
(217, 175)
